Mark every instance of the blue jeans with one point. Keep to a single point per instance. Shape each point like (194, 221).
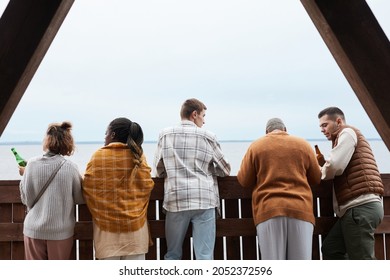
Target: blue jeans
(203, 233)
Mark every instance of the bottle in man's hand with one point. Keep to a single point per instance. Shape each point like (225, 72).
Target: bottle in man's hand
(320, 156)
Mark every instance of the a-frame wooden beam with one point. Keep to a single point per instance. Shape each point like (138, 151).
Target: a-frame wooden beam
(27, 28)
(362, 51)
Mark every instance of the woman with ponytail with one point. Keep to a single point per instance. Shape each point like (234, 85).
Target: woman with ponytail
(49, 225)
(117, 187)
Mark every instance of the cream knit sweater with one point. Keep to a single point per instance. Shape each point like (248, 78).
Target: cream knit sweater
(53, 216)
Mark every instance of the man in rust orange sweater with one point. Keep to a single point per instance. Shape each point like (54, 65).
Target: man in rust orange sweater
(281, 169)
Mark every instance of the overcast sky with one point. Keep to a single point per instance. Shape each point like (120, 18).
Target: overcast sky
(247, 60)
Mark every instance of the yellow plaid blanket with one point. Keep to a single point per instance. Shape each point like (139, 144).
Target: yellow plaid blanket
(117, 188)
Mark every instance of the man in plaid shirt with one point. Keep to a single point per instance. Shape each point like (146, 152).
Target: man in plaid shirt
(190, 159)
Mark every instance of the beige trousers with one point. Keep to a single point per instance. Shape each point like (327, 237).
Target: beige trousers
(38, 249)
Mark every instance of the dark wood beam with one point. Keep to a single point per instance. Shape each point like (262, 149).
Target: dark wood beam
(362, 51)
(27, 28)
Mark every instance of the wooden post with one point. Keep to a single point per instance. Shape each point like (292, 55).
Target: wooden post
(362, 51)
(27, 28)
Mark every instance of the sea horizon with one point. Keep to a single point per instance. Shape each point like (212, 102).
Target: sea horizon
(36, 142)
(234, 151)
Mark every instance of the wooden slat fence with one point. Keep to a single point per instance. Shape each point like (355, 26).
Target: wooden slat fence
(236, 234)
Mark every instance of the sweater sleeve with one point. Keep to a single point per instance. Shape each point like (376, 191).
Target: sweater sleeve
(340, 155)
(77, 189)
(246, 175)
(314, 172)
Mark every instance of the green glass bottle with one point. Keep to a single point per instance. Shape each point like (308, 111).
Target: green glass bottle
(18, 158)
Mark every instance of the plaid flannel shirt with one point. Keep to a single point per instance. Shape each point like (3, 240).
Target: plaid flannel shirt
(190, 159)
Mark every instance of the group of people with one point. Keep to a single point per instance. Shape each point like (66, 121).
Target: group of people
(278, 167)
(281, 169)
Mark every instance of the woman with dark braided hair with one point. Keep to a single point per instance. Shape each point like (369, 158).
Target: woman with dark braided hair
(49, 225)
(117, 187)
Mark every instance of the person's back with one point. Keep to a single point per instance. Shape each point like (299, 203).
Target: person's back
(59, 200)
(280, 169)
(117, 188)
(190, 158)
(189, 154)
(283, 173)
(50, 188)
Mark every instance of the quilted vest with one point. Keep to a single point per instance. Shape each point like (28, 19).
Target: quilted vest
(361, 176)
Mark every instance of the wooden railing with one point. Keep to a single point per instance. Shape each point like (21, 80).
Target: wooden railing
(236, 234)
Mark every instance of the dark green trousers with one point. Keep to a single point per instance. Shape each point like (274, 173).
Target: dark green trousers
(352, 237)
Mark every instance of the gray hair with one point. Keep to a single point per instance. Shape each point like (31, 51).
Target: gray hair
(275, 123)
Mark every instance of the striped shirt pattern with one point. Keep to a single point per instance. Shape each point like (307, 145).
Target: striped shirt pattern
(190, 159)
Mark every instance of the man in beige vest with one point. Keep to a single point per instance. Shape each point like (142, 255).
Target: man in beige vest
(357, 189)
